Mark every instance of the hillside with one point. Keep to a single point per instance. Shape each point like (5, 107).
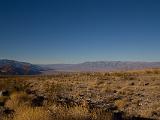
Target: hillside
(129, 95)
(11, 67)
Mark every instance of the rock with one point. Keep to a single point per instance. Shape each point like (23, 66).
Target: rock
(146, 84)
(65, 101)
(114, 91)
(132, 84)
(117, 115)
(101, 104)
(110, 107)
(38, 101)
(4, 93)
(8, 111)
(28, 91)
(2, 103)
(156, 113)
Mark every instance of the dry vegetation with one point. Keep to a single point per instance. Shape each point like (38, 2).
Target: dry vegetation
(81, 96)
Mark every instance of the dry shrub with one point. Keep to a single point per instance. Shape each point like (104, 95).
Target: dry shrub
(4, 83)
(58, 88)
(120, 103)
(78, 113)
(106, 89)
(99, 114)
(100, 82)
(71, 113)
(17, 99)
(30, 113)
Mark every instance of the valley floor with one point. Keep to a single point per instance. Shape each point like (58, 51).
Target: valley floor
(82, 96)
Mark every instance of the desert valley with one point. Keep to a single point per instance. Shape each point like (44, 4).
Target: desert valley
(79, 60)
(81, 95)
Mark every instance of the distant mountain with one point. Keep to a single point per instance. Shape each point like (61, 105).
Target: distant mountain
(11, 67)
(104, 66)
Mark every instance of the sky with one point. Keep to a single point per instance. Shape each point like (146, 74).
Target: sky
(74, 31)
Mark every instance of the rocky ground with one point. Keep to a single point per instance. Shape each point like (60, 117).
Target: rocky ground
(118, 95)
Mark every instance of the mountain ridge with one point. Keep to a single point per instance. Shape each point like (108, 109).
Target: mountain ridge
(12, 67)
(104, 66)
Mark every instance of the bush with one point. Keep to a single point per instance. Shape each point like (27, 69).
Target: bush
(17, 99)
(30, 113)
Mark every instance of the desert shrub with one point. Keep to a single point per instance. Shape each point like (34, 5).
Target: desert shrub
(99, 82)
(5, 83)
(128, 77)
(107, 89)
(20, 87)
(69, 113)
(107, 74)
(156, 71)
(98, 114)
(30, 113)
(58, 88)
(120, 103)
(17, 99)
(148, 71)
(118, 74)
(78, 113)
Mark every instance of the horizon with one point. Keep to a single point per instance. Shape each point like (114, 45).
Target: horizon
(79, 62)
(55, 32)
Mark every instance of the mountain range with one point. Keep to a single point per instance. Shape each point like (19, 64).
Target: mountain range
(11, 67)
(103, 66)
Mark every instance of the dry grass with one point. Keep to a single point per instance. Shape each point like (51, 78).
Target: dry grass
(17, 99)
(120, 103)
(72, 113)
(133, 92)
(78, 113)
(30, 113)
(101, 115)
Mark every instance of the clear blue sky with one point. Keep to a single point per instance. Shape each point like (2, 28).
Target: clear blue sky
(73, 31)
